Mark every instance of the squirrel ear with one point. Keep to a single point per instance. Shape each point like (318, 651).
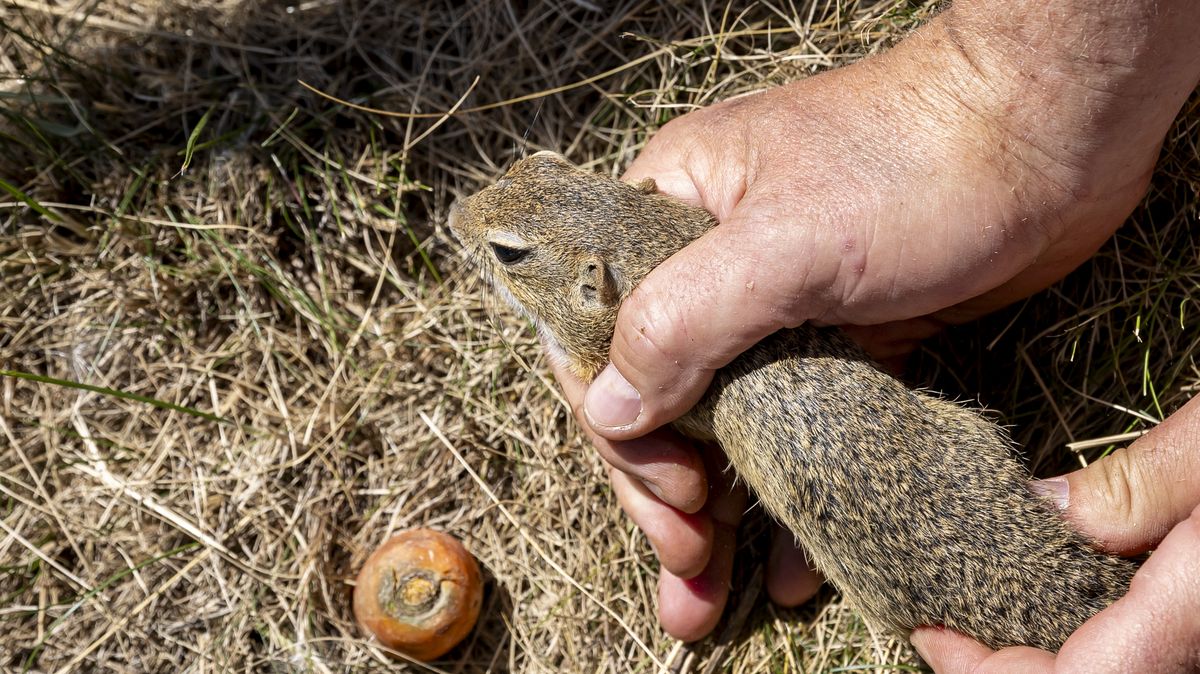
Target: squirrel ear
(647, 186)
(596, 284)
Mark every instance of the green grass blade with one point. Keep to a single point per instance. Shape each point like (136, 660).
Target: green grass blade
(124, 395)
(195, 136)
(16, 192)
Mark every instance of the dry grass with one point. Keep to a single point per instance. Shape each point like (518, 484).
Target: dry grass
(314, 370)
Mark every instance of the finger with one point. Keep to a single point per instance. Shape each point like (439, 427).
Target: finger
(664, 464)
(1153, 628)
(683, 156)
(689, 608)
(893, 341)
(669, 467)
(949, 652)
(1130, 499)
(791, 579)
(1156, 626)
(682, 542)
(695, 313)
(727, 498)
(665, 159)
(666, 169)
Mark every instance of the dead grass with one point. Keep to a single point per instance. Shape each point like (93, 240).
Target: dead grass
(285, 362)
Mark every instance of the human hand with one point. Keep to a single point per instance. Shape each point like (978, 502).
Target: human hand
(1128, 502)
(930, 184)
(690, 522)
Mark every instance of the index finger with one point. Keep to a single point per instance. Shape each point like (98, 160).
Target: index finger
(669, 467)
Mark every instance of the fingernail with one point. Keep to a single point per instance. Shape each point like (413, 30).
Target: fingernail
(611, 402)
(1056, 489)
(654, 489)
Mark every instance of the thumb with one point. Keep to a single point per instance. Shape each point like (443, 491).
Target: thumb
(698, 311)
(1130, 499)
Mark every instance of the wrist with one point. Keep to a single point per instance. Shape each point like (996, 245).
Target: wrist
(1068, 100)
(1107, 46)
(1088, 72)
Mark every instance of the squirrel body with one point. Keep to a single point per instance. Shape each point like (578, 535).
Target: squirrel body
(914, 507)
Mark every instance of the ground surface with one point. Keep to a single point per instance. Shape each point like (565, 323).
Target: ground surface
(239, 350)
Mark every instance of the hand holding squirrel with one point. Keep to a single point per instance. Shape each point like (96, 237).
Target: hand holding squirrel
(1146, 496)
(912, 505)
(942, 179)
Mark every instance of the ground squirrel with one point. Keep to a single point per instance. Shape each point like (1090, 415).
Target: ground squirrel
(913, 506)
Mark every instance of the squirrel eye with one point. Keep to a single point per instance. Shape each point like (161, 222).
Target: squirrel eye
(508, 255)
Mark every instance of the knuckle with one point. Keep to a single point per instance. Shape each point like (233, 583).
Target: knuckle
(649, 335)
(1127, 495)
(1118, 486)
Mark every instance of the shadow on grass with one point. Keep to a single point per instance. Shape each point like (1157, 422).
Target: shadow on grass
(134, 114)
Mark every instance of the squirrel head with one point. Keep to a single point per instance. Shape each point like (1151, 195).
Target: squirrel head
(567, 246)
